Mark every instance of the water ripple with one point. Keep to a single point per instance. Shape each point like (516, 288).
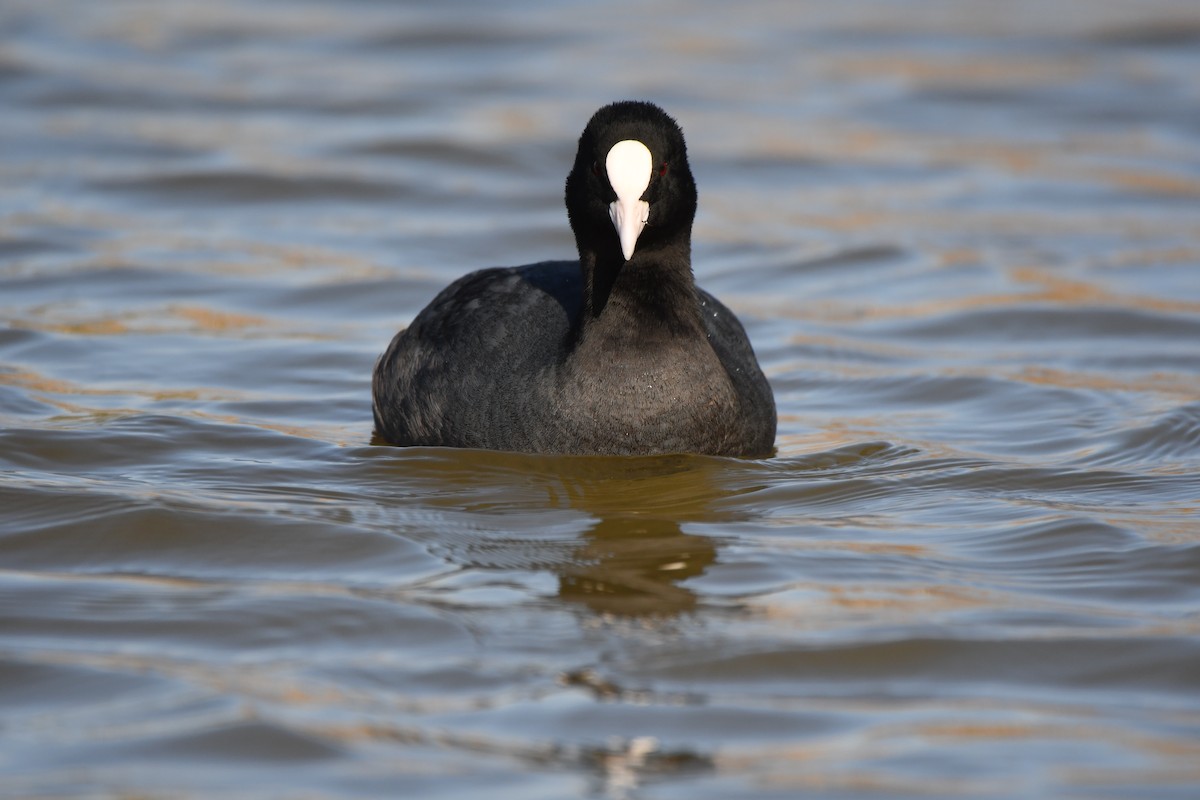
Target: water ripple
(962, 242)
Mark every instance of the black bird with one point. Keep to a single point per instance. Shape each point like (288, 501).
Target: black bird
(616, 353)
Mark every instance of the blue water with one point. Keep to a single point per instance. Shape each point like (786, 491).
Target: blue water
(963, 238)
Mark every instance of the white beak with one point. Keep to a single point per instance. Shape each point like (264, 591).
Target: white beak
(629, 164)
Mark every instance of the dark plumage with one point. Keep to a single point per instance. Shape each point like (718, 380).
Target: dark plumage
(604, 355)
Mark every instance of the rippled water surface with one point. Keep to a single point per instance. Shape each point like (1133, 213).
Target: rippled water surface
(964, 238)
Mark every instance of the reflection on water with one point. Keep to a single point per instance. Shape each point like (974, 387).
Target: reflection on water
(636, 569)
(962, 237)
(620, 550)
(635, 558)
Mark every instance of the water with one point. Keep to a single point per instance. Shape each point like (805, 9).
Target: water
(964, 239)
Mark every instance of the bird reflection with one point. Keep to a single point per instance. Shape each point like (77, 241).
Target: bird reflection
(624, 553)
(634, 567)
(635, 558)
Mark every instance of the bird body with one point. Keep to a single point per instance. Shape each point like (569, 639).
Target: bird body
(616, 353)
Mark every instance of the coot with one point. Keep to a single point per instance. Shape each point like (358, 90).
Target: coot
(616, 353)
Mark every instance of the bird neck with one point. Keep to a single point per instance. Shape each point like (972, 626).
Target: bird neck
(653, 291)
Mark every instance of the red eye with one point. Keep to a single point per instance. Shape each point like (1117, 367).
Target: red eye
(663, 169)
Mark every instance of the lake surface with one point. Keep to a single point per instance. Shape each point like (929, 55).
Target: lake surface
(964, 238)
